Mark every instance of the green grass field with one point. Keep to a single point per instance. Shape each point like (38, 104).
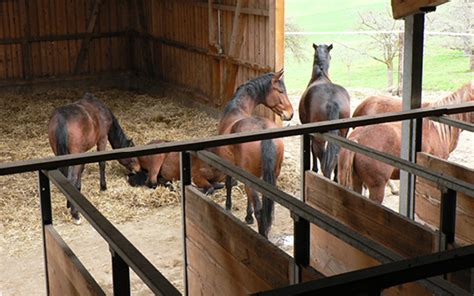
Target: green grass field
(444, 68)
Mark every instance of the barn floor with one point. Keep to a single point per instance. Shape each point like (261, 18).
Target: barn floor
(149, 218)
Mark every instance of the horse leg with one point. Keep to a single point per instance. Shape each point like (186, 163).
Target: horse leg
(376, 193)
(317, 148)
(253, 204)
(75, 174)
(101, 147)
(228, 197)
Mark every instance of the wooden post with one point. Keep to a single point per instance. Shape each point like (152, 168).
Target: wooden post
(215, 63)
(26, 45)
(235, 46)
(143, 20)
(92, 21)
(185, 167)
(412, 85)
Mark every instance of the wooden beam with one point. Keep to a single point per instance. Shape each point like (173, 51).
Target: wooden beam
(61, 37)
(215, 49)
(224, 7)
(26, 45)
(92, 21)
(235, 47)
(403, 8)
(148, 47)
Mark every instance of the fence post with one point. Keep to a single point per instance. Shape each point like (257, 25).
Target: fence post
(300, 247)
(305, 161)
(120, 275)
(46, 216)
(185, 181)
(447, 217)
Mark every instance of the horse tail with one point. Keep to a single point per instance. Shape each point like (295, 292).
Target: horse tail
(268, 171)
(346, 169)
(61, 135)
(328, 163)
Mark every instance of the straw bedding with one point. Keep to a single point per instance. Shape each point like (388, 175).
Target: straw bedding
(23, 135)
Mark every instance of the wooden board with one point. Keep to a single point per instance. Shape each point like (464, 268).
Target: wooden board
(428, 197)
(331, 256)
(402, 8)
(67, 276)
(226, 257)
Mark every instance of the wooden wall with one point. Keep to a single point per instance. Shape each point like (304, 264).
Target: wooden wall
(207, 47)
(331, 256)
(226, 257)
(43, 38)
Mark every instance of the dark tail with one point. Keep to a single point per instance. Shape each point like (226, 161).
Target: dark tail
(62, 140)
(268, 171)
(329, 160)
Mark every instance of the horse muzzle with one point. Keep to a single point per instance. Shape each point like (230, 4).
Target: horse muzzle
(286, 116)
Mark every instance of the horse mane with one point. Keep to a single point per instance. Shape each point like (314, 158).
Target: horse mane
(116, 135)
(449, 134)
(257, 88)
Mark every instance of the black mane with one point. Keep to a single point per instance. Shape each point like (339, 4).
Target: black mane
(116, 135)
(257, 88)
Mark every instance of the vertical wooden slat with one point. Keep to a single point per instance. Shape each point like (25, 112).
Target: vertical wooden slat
(92, 20)
(9, 33)
(53, 46)
(47, 46)
(35, 49)
(113, 42)
(71, 29)
(3, 64)
(62, 28)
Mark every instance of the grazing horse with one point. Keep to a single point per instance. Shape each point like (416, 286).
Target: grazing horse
(323, 100)
(263, 159)
(357, 171)
(79, 126)
(164, 168)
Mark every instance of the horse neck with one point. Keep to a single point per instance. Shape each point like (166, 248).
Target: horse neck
(116, 135)
(319, 75)
(462, 95)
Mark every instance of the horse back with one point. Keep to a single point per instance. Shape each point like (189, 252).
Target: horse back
(315, 100)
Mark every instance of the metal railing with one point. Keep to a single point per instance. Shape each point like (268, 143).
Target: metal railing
(125, 255)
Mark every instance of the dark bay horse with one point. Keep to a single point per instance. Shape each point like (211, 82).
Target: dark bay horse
(79, 126)
(323, 100)
(263, 159)
(357, 171)
(164, 168)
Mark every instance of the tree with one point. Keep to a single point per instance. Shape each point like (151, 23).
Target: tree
(294, 43)
(384, 37)
(455, 17)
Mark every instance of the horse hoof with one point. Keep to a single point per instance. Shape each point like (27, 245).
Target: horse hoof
(103, 188)
(249, 220)
(228, 208)
(77, 221)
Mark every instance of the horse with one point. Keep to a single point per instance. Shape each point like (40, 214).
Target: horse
(164, 168)
(81, 125)
(358, 171)
(263, 159)
(323, 100)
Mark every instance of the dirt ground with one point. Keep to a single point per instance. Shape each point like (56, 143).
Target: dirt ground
(155, 230)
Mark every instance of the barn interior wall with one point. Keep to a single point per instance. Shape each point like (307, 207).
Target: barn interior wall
(206, 50)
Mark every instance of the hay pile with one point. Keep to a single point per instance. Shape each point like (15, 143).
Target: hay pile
(23, 135)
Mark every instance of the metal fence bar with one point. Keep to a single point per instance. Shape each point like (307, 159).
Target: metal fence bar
(385, 276)
(453, 122)
(46, 217)
(120, 275)
(312, 215)
(319, 127)
(186, 169)
(116, 240)
(441, 179)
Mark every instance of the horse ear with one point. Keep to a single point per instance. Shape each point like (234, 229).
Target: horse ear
(278, 75)
(330, 47)
(315, 46)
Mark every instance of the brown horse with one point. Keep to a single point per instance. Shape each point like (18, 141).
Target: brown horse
(323, 100)
(357, 171)
(76, 128)
(164, 168)
(263, 159)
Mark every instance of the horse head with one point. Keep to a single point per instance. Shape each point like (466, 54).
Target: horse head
(321, 61)
(277, 99)
(132, 164)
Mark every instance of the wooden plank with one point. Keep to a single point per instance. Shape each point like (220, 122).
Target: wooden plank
(369, 218)
(402, 8)
(235, 47)
(428, 197)
(144, 26)
(92, 20)
(24, 8)
(67, 276)
(3, 63)
(246, 246)
(62, 47)
(71, 29)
